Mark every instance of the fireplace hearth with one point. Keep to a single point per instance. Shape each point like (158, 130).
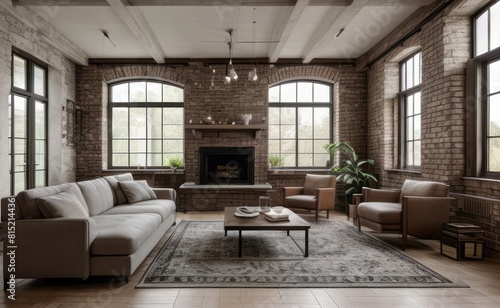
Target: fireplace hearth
(227, 165)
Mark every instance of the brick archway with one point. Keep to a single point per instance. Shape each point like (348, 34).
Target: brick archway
(324, 73)
(127, 72)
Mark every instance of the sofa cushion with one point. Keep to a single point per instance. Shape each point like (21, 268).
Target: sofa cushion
(423, 189)
(381, 212)
(123, 234)
(98, 195)
(314, 181)
(27, 199)
(164, 208)
(136, 191)
(63, 204)
(118, 192)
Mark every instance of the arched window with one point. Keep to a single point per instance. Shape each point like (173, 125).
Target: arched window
(147, 124)
(300, 123)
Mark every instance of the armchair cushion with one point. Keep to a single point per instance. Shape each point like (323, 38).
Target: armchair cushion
(381, 212)
(314, 181)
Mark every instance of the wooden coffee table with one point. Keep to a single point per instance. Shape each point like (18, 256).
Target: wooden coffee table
(240, 224)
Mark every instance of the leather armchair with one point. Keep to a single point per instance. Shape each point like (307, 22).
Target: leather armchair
(318, 194)
(418, 209)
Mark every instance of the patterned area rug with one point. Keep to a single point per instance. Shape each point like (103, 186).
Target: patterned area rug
(199, 255)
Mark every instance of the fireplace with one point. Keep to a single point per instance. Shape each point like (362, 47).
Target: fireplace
(227, 165)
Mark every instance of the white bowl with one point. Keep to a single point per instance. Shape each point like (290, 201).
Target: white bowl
(278, 209)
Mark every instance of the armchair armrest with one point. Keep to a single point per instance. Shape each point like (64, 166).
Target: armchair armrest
(165, 193)
(291, 191)
(381, 195)
(325, 198)
(51, 247)
(423, 216)
(356, 198)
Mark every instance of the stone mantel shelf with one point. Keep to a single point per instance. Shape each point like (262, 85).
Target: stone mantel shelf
(256, 128)
(193, 186)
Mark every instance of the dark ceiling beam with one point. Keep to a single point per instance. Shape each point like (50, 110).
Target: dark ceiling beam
(218, 61)
(217, 3)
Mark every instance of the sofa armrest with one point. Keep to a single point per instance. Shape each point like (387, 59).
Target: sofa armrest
(51, 248)
(165, 193)
(325, 198)
(423, 216)
(381, 195)
(292, 191)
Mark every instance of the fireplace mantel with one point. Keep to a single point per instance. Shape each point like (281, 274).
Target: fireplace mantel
(255, 128)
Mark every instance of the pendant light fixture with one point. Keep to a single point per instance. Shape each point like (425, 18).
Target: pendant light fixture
(252, 75)
(230, 72)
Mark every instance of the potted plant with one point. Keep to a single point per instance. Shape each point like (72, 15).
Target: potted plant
(351, 171)
(175, 162)
(276, 161)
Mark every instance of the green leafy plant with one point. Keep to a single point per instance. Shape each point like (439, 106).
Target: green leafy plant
(351, 171)
(276, 161)
(175, 162)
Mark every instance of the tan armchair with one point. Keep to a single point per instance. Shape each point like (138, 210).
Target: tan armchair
(418, 209)
(318, 193)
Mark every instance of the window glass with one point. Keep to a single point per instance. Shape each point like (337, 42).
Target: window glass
(173, 94)
(322, 93)
(495, 26)
(305, 92)
(19, 72)
(300, 123)
(288, 93)
(137, 91)
(482, 34)
(274, 94)
(119, 93)
(494, 77)
(154, 92)
(39, 81)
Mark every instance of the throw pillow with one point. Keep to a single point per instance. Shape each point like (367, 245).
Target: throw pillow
(136, 191)
(64, 204)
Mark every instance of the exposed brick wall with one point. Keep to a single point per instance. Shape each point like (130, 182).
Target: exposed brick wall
(445, 43)
(22, 34)
(206, 95)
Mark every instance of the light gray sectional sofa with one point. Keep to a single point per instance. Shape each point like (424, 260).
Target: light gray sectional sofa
(101, 227)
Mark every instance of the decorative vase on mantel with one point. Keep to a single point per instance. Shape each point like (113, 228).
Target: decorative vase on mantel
(246, 117)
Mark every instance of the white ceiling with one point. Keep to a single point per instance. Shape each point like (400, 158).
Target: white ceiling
(176, 31)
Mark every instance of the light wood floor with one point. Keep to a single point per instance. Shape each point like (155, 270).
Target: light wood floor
(483, 277)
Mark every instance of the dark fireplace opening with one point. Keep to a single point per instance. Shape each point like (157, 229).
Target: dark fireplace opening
(227, 165)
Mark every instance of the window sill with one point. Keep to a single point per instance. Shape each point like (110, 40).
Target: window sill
(177, 171)
(404, 171)
(481, 179)
(296, 171)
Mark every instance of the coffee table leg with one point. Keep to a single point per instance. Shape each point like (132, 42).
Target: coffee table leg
(306, 253)
(239, 243)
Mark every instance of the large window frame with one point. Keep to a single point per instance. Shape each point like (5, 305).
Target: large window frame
(297, 108)
(483, 92)
(139, 149)
(28, 123)
(410, 102)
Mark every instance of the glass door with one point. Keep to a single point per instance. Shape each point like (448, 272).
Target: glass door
(27, 124)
